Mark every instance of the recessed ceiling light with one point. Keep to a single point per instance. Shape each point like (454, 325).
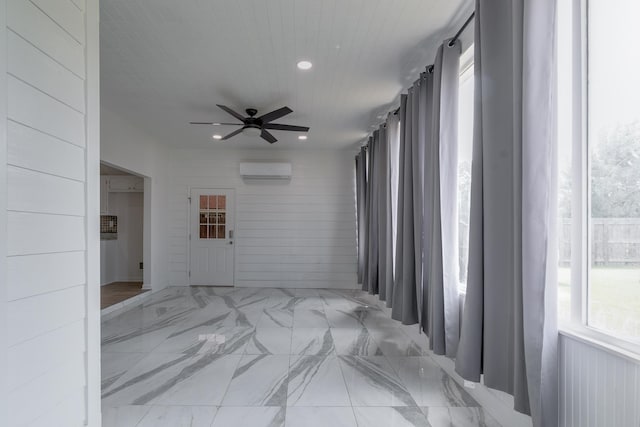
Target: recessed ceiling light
(216, 124)
(305, 65)
(302, 137)
(216, 136)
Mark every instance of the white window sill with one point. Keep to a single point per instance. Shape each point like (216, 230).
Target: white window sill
(615, 346)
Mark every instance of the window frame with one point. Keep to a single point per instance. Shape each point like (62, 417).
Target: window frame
(581, 238)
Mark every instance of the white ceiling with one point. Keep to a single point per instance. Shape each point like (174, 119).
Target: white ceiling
(166, 62)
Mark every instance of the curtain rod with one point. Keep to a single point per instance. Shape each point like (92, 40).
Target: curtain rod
(466, 23)
(451, 43)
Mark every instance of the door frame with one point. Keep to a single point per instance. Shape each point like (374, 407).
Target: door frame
(190, 224)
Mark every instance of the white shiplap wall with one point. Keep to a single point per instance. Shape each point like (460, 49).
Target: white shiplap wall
(47, 292)
(598, 388)
(300, 233)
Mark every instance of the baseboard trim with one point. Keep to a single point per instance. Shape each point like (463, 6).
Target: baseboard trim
(116, 309)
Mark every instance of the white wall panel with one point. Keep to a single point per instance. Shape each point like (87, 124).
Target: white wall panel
(31, 149)
(66, 413)
(27, 357)
(31, 191)
(31, 317)
(26, 274)
(598, 388)
(27, 63)
(35, 109)
(35, 26)
(299, 233)
(120, 258)
(48, 302)
(45, 393)
(30, 233)
(66, 14)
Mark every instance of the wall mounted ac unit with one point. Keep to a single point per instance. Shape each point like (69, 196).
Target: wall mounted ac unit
(263, 170)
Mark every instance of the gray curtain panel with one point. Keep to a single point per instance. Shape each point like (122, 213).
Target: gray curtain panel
(385, 255)
(426, 92)
(417, 165)
(371, 277)
(405, 307)
(367, 198)
(442, 264)
(361, 188)
(393, 142)
(509, 323)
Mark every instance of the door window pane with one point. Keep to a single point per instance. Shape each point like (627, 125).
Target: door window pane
(614, 149)
(213, 216)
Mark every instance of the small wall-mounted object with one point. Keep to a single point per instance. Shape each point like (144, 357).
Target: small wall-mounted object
(108, 227)
(265, 170)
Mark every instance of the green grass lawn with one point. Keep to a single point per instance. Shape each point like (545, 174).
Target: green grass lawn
(614, 297)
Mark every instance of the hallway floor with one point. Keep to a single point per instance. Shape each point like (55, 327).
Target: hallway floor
(116, 292)
(247, 357)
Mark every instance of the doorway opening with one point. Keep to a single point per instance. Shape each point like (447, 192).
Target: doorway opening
(122, 216)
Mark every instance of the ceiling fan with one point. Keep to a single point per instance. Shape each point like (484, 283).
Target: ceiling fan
(254, 126)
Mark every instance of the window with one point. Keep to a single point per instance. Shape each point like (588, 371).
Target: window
(213, 216)
(465, 148)
(613, 296)
(599, 169)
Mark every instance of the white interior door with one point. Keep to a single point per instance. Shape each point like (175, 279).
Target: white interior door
(212, 221)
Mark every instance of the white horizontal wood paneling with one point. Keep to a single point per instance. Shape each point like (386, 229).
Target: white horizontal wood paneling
(295, 250)
(31, 191)
(38, 110)
(80, 4)
(285, 215)
(298, 259)
(65, 14)
(46, 242)
(296, 234)
(598, 388)
(27, 63)
(27, 357)
(25, 274)
(30, 233)
(31, 317)
(31, 149)
(67, 413)
(47, 392)
(330, 269)
(24, 18)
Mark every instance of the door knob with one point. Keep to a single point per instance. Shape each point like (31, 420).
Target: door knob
(230, 242)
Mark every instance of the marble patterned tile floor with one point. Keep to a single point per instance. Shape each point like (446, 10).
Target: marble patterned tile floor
(245, 357)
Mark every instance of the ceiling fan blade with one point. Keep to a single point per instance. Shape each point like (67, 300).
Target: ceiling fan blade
(232, 134)
(276, 126)
(216, 124)
(268, 137)
(233, 113)
(276, 114)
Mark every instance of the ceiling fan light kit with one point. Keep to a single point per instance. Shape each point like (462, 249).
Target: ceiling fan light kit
(257, 126)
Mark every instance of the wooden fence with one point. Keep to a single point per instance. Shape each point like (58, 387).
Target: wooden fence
(614, 241)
